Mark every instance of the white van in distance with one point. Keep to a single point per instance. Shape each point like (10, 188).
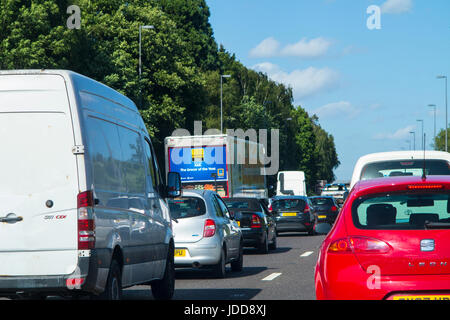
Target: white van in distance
(291, 183)
(82, 199)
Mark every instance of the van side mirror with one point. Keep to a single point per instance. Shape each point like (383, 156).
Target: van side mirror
(173, 185)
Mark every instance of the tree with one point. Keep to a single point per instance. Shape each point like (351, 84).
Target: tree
(439, 140)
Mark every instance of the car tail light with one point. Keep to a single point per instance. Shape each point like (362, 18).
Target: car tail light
(307, 209)
(425, 186)
(359, 245)
(256, 221)
(333, 209)
(86, 224)
(210, 228)
(270, 208)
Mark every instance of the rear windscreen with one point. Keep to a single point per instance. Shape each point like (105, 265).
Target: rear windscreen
(404, 168)
(401, 211)
(322, 202)
(289, 204)
(186, 207)
(241, 204)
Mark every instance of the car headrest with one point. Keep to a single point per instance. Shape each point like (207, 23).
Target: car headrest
(381, 214)
(418, 219)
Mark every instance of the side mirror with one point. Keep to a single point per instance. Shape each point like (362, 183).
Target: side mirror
(323, 228)
(173, 185)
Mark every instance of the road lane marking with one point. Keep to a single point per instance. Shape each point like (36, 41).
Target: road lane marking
(272, 276)
(307, 253)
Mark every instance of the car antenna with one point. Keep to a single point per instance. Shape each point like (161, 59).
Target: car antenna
(423, 172)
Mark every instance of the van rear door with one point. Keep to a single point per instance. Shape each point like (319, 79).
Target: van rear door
(38, 177)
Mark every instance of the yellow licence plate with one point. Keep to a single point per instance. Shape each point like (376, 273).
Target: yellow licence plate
(322, 217)
(289, 214)
(180, 252)
(424, 297)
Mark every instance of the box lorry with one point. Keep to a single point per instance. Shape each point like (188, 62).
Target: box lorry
(226, 164)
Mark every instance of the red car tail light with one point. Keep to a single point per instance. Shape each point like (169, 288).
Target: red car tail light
(358, 244)
(256, 222)
(307, 209)
(425, 186)
(86, 223)
(210, 228)
(333, 209)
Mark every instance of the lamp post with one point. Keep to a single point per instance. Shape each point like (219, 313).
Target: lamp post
(434, 109)
(422, 133)
(446, 120)
(140, 60)
(140, 46)
(221, 99)
(414, 139)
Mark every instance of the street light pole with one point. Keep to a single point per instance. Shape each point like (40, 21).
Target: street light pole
(446, 120)
(140, 46)
(221, 99)
(422, 133)
(434, 108)
(140, 60)
(414, 134)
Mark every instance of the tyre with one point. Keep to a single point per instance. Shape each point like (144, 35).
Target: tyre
(219, 269)
(264, 246)
(273, 245)
(113, 289)
(237, 265)
(164, 289)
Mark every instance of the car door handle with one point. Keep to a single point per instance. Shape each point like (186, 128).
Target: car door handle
(10, 218)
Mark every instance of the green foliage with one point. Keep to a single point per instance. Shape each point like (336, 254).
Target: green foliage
(181, 68)
(439, 141)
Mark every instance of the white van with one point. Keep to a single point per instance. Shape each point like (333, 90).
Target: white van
(82, 199)
(400, 163)
(291, 183)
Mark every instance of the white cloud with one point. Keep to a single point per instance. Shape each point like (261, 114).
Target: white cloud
(341, 108)
(305, 82)
(304, 48)
(267, 48)
(400, 134)
(396, 6)
(307, 49)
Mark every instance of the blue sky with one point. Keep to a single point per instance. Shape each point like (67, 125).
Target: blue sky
(368, 87)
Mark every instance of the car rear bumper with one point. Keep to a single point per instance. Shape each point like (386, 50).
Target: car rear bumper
(293, 224)
(252, 236)
(202, 253)
(348, 281)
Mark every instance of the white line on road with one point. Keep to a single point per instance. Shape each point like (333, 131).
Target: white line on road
(272, 276)
(307, 253)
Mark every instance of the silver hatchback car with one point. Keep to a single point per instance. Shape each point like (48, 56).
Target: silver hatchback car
(205, 233)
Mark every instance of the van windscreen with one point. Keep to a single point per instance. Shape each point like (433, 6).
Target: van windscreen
(404, 168)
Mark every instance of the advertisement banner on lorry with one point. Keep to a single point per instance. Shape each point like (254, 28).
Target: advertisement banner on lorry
(196, 164)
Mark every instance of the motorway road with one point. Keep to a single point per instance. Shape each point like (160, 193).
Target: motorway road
(284, 274)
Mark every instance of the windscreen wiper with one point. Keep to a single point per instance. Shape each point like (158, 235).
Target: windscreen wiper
(437, 225)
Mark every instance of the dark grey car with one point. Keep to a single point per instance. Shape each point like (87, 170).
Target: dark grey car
(293, 214)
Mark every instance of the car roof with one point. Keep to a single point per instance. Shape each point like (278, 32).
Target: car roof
(289, 197)
(201, 193)
(397, 183)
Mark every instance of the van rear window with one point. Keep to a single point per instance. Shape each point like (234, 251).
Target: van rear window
(398, 211)
(405, 167)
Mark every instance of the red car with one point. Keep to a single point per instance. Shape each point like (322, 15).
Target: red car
(390, 241)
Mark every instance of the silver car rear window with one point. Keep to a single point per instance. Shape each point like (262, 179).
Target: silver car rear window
(187, 207)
